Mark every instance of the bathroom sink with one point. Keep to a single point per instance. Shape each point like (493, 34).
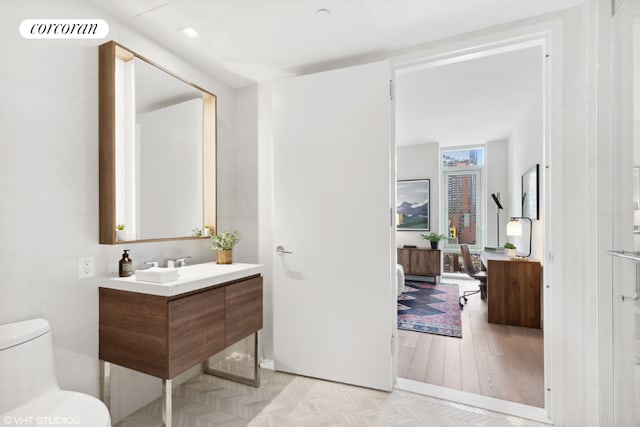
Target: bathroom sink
(176, 281)
(157, 275)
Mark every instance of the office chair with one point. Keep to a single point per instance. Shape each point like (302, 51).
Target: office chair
(473, 273)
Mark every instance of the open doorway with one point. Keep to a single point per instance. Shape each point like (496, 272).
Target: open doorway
(473, 127)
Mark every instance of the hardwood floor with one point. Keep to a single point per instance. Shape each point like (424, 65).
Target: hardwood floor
(505, 362)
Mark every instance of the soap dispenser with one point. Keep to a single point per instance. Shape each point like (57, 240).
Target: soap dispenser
(126, 265)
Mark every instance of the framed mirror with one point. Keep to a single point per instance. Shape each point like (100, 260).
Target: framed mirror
(531, 193)
(157, 151)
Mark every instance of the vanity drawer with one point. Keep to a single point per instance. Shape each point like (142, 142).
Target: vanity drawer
(243, 309)
(195, 329)
(132, 331)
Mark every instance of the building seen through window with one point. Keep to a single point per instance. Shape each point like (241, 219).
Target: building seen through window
(462, 172)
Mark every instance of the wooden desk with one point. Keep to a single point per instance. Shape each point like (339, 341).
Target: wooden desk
(513, 290)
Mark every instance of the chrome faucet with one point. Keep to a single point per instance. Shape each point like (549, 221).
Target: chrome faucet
(151, 263)
(177, 263)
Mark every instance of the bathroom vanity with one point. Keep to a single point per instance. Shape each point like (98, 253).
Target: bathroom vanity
(163, 329)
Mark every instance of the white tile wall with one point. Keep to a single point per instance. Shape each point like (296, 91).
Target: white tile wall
(49, 187)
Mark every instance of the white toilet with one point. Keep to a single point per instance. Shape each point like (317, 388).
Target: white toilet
(29, 391)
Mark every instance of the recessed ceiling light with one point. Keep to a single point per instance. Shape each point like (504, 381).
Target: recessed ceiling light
(189, 32)
(323, 13)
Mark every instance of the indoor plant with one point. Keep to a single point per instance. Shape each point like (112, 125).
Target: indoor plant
(433, 238)
(121, 233)
(510, 249)
(223, 244)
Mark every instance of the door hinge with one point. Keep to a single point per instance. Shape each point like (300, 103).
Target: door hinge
(393, 343)
(391, 217)
(391, 90)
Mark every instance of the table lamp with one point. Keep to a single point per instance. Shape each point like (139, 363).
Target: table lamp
(514, 228)
(496, 199)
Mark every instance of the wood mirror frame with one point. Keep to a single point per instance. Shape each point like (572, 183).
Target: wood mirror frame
(108, 53)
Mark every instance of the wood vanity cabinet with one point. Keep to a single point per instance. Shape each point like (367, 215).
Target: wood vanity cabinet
(420, 262)
(243, 311)
(164, 336)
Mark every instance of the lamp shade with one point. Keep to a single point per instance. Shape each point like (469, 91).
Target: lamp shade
(514, 228)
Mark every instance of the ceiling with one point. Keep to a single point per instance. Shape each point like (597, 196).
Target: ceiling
(156, 89)
(467, 102)
(248, 41)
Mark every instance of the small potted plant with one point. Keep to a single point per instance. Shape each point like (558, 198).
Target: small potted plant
(121, 233)
(434, 238)
(510, 249)
(223, 244)
(207, 231)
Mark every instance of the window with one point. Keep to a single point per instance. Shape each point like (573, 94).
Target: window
(462, 205)
(463, 158)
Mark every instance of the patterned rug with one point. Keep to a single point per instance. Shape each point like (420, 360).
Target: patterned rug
(434, 309)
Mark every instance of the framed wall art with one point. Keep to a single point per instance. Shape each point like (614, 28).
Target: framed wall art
(531, 193)
(413, 204)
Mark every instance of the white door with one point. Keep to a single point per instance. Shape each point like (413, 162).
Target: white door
(334, 308)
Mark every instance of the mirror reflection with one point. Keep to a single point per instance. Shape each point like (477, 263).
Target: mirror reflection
(163, 153)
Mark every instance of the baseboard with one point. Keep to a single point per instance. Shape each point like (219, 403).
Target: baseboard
(267, 364)
(497, 405)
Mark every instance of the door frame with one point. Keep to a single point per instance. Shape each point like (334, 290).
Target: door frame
(606, 18)
(549, 36)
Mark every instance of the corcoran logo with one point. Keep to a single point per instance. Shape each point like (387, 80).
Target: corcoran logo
(64, 29)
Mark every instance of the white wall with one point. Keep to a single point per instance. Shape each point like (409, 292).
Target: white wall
(265, 212)
(252, 189)
(572, 216)
(496, 167)
(245, 173)
(49, 187)
(420, 161)
(525, 151)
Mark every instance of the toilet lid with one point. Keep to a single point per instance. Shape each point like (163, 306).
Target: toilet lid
(57, 408)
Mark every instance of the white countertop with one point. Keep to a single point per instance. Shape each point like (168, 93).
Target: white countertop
(192, 278)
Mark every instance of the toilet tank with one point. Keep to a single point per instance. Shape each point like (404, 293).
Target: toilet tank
(27, 368)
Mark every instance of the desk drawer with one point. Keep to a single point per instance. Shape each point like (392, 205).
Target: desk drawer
(514, 290)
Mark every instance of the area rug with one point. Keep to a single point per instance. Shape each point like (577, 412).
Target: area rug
(434, 309)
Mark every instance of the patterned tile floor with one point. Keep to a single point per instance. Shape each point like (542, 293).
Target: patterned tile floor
(285, 400)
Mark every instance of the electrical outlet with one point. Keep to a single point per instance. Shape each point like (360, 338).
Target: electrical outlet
(86, 267)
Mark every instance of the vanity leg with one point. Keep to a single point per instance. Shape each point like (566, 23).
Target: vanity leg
(256, 362)
(167, 412)
(105, 384)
